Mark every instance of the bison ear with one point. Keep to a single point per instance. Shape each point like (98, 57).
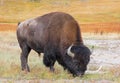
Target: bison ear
(69, 52)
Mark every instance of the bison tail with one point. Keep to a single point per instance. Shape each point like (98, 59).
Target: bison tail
(19, 23)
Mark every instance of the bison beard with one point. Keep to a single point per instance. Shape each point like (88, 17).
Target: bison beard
(58, 36)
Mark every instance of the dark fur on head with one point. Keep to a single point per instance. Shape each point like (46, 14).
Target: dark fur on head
(78, 64)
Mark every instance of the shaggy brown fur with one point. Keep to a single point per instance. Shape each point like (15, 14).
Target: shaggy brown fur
(52, 34)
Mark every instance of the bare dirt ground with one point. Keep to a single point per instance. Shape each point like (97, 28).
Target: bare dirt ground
(106, 52)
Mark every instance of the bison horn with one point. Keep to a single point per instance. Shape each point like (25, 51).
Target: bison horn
(69, 51)
(95, 72)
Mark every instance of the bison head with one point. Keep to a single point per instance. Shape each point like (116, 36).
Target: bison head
(80, 57)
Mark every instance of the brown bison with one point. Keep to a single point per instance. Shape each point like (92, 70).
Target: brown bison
(58, 36)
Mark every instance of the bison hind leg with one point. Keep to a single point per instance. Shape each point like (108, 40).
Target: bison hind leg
(49, 60)
(24, 57)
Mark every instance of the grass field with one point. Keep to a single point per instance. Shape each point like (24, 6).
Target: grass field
(10, 69)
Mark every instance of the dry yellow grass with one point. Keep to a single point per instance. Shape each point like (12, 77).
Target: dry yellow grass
(88, 11)
(93, 16)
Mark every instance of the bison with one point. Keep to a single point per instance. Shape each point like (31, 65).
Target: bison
(58, 36)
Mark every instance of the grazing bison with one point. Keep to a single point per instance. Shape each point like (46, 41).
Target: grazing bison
(58, 36)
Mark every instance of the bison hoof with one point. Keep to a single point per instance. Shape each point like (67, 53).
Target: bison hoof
(26, 69)
(52, 69)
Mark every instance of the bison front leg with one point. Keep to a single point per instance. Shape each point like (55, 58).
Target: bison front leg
(49, 59)
(24, 58)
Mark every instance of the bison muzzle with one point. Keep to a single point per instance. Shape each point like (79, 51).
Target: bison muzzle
(58, 36)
